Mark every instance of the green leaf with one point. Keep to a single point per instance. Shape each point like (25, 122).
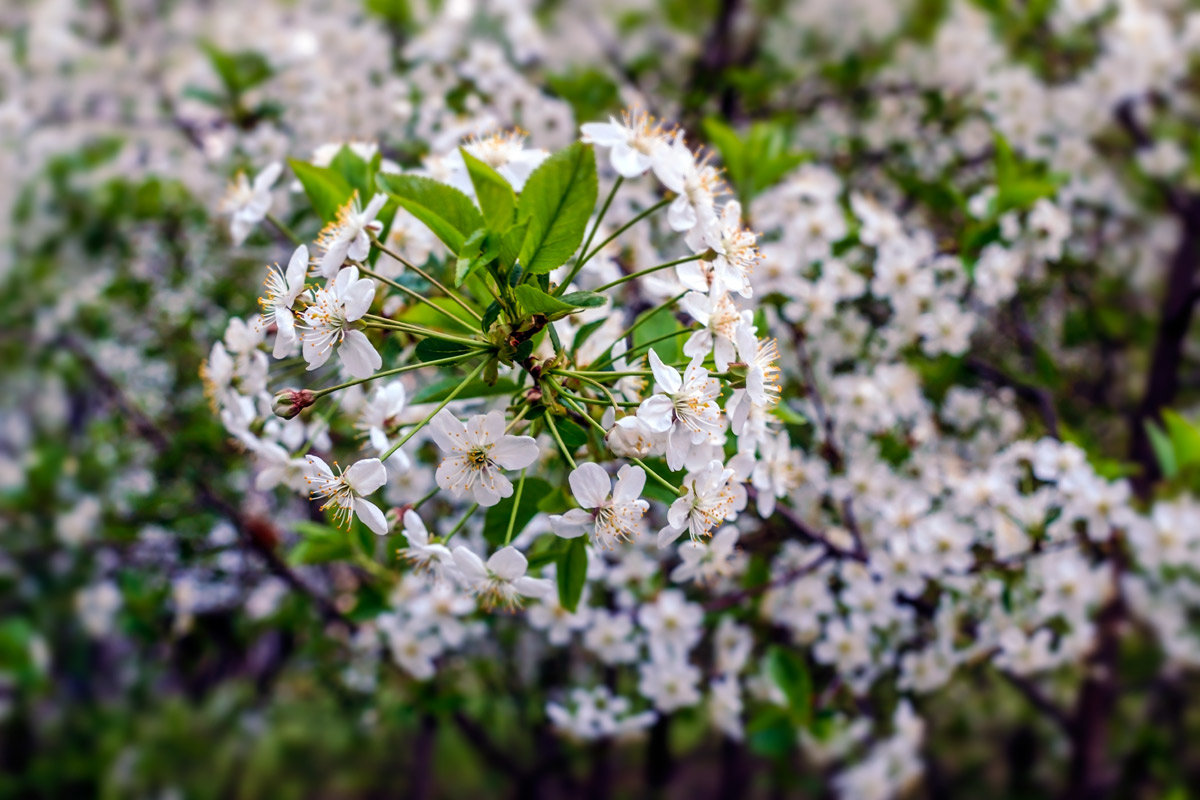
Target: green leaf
(572, 433)
(432, 349)
(239, 70)
(584, 299)
(446, 211)
(320, 544)
(1164, 450)
(480, 248)
(495, 194)
(535, 301)
(326, 188)
(510, 244)
(660, 324)
(558, 200)
(1185, 439)
(572, 573)
(440, 390)
(355, 170)
(495, 521)
(787, 669)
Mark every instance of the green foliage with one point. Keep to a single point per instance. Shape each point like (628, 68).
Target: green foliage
(591, 93)
(556, 203)
(447, 212)
(789, 672)
(495, 521)
(327, 189)
(755, 159)
(495, 195)
(572, 573)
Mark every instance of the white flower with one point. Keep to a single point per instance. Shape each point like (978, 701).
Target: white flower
(476, 454)
(704, 563)
(695, 181)
(611, 514)
(635, 141)
(349, 236)
(247, 203)
(630, 437)
(721, 320)
(97, 606)
(735, 246)
(709, 499)
(380, 414)
(504, 152)
(345, 492)
(502, 580)
(282, 290)
(328, 324)
(762, 373)
(686, 408)
(420, 553)
(412, 650)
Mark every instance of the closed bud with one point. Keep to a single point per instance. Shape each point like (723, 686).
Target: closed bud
(290, 402)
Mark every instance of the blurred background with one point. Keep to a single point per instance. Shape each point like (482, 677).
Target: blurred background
(160, 634)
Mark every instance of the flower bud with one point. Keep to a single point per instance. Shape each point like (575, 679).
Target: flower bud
(290, 402)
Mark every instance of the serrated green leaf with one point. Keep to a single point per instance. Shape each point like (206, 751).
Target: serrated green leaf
(495, 521)
(490, 316)
(510, 244)
(446, 211)
(558, 200)
(584, 299)
(431, 349)
(495, 195)
(573, 434)
(477, 250)
(572, 573)
(327, 189)
(535, 301)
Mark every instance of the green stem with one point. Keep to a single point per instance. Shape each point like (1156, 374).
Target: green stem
(426, 497)
(640, 273)
(417, 296)
(600, 386)
(579, 264)
(452, 295)
(474, 374)
(420, 330)
(662, 338)
(604, 210)
(562, 447)
(637, 323)
(459, 525)
(660, 480)
(512, 517)
(284, 229)
(388, 373)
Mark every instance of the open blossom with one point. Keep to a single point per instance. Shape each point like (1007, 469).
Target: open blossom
(476, 454)
(420, 553)
(504, 152)
(282, 289)
(708, 500)
(611, 513)
(349, 236)
(685, 407)
(762, 371)
(345, 492)
(706, 562)
(502, 580)
(379, 415)
(247, 203)
(634, 142)
(721, 320)
(328, 320)
(736, 247)
(694, 180)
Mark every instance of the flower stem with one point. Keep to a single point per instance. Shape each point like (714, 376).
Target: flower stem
(562, 447)
(459, 525)
(617, 233)
(588, 242)
(512, 517)
(474, 374)
(389, 372)
(660, 480)
(640, 273)
(416, 296)
(452, 295)
(284, 229)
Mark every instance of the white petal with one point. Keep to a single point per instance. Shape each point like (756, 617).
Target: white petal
(515, 452)
(366, 476)
(508, 563)
(667, 377)
(470, 565)
(358, 355)
(448, 432)
(590, 484)
(657, 413)
(631, 480)
(357, 299)
(371, 516)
